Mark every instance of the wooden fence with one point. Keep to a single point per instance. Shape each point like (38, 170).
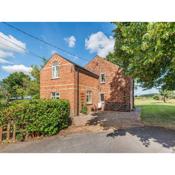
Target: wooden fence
(8, 133)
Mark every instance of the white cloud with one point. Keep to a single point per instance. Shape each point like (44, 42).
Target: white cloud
(17, 68)
(6, 43)
(3, 61)
(8, 49)
(100, 43)
(4, 54)
(70, 41)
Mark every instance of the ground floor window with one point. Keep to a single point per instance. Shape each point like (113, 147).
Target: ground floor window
(102, 97)
(89, 97)
(55, 95)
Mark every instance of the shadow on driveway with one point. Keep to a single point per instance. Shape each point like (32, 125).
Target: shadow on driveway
(129, 122)
(116, 120)
(163, 136)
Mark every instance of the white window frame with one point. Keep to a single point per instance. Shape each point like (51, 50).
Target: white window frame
(89, 94)
(55, 95)
(101, 78)
(55, 70)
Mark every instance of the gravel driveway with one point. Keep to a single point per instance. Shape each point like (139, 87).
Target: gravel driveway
(133, 140)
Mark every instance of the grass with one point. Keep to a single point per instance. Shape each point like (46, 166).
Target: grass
(157, 113)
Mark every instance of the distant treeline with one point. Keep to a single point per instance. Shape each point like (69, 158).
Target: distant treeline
(147, 95)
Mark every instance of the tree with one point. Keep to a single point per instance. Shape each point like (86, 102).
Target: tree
(4, 96)
(17, 84)
(146, 51)
(34, 88)
(165, 94)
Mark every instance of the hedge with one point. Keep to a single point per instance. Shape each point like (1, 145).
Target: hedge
(41, 117)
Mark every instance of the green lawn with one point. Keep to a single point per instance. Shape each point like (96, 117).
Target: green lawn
(157, 113)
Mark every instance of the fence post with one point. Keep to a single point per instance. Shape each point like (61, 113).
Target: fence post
(1, 135)
(14, 132)
(8, 132)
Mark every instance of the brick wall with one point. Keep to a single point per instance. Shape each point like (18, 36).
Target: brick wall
(87, 83)
(117, 87)
(65, 84)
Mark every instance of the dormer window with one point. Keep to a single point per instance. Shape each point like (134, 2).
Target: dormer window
(102, 78)
(55, 70)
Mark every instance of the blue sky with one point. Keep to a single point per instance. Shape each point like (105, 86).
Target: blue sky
(57, 34)
(82, 39)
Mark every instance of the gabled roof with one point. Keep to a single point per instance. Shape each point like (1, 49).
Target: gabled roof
(102, 58)
(78, 66)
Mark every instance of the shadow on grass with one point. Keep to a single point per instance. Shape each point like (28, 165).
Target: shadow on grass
(165, 137)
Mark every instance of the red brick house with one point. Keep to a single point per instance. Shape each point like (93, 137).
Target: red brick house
(100, 84)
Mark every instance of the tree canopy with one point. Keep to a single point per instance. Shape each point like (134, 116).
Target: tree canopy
(19, 85)
(34, 86)
(16, 84)
(146, 51)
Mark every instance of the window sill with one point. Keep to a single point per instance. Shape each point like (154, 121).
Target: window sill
(89, 103)
(55, 78)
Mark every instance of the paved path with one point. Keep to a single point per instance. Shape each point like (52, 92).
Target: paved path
(110, 119)
(133, 140)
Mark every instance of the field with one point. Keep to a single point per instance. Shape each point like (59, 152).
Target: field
(157, 113)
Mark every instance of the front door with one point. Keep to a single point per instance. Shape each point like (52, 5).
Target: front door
(102, 100)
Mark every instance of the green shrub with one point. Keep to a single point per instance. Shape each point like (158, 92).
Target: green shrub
(156, 97)
(84, 109)
(43, 117)
(20, 136)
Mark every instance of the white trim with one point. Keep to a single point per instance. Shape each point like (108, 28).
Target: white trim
(89, 102)
(101, 104)
(55, 70)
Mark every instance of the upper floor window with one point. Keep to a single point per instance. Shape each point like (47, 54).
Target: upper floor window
(55, 95)
(89, 97)
(102, 78)
(55, 70)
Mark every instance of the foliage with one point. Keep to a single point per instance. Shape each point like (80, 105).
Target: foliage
(146, 51)
(19, 85)
(42, 117)
(156, 97)
(165, 94)
(20, 136)
(34, 86)
(84, 109)
(4, 96)
(16, 84)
